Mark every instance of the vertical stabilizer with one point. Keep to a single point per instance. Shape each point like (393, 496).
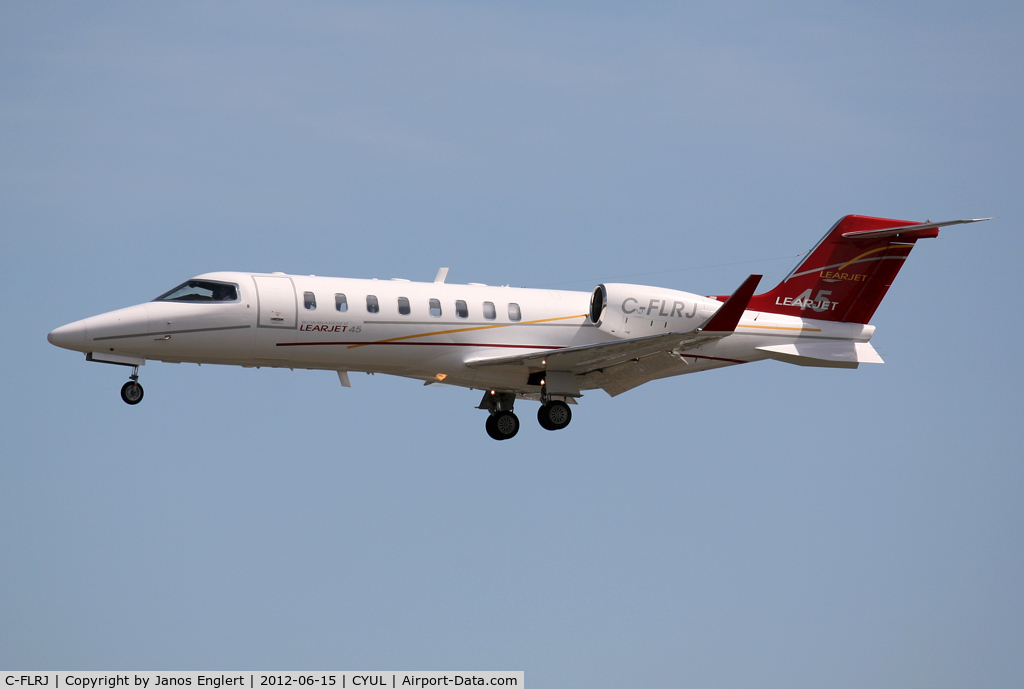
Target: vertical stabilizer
(845, 276)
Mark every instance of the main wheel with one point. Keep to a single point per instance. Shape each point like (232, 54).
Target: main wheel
(554, 415)
(131, 392)
(503, 425)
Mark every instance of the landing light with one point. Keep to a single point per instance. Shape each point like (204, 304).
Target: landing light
(441, 376)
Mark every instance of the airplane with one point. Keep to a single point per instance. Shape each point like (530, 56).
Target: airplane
(515, 343)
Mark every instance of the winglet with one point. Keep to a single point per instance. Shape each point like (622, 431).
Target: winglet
(727, 317)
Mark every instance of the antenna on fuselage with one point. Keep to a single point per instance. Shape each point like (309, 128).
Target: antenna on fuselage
(442, 275)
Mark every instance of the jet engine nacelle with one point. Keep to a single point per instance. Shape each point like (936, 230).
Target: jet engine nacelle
(637, 310)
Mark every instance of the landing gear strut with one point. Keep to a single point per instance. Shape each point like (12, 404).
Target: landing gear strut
(131, 392)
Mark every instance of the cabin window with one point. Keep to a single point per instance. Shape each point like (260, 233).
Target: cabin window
(309, 301)
(201, 290)
(372, 305)
(489, 312)
(403, 306)
(461, 310)
(341, 302)
(514, 314)
(435, 308)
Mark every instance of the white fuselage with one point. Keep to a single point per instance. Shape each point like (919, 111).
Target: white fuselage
(274, 322)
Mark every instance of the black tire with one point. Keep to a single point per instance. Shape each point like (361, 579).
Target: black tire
(554, 416)
(491, 430)
(503, 425)
(131, 392)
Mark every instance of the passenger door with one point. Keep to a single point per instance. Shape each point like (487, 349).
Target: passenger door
(277, 315)
(277, 302)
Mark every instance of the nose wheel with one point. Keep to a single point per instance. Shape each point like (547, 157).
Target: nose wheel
(131, 392)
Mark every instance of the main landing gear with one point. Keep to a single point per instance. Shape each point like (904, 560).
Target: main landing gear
(131, 392)
(502, 423)
(554, 415)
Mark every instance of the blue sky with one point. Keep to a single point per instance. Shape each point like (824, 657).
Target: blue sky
(765, 525)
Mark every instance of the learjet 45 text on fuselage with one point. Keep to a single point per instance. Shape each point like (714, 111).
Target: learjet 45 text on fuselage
(512, 343)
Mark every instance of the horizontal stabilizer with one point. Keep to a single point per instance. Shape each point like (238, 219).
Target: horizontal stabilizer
(893, 231)
(839, 354)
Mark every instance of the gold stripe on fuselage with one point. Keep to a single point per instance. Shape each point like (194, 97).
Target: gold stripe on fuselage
(464, 330)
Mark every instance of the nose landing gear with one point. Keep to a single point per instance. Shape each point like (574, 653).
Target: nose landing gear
(131, 392)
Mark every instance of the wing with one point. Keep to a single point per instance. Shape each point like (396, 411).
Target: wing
(624, 364)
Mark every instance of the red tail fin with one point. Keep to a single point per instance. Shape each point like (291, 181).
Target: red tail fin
(846, 275)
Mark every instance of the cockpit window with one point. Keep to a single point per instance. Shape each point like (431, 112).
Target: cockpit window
(201, 290)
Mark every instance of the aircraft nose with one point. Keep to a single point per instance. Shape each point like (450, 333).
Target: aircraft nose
(70, 336)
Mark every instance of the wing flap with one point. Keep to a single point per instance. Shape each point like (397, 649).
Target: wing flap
(616, 380)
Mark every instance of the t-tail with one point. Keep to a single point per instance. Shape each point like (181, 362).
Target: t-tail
(845, 276)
